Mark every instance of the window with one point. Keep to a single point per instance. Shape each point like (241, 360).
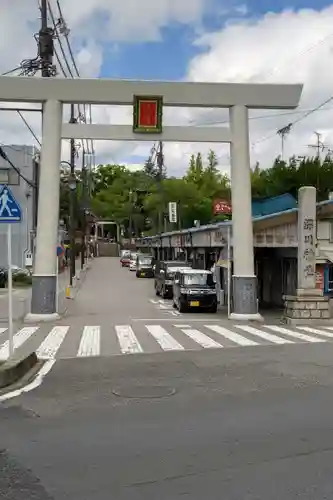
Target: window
(9, 176)
(330, 279)
(146, 261)
(198, 279)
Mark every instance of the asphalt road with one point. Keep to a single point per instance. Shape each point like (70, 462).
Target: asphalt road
(245, 423)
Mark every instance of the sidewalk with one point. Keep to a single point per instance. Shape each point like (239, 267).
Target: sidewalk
(22, 298)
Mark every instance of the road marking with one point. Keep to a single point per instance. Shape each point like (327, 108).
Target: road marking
(49, 347)
(201, 339)
(202, 320)
(296, 335)
(233, 336)
(264, 335)
(165, 340)
(19, 338)
(153, 301)
(90, 342)
(316, 331)
(129, 344)
(182, 326)
(46, 368)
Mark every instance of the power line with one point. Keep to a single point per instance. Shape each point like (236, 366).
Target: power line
(29, 128)
(17, 170)
(261, 117)
(61, 28)
(66, 35)
(11, 71)
(296, 56)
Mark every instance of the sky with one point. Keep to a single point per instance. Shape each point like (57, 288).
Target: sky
(259, 41)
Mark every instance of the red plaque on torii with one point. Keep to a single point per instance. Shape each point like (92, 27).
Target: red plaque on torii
(147, 114)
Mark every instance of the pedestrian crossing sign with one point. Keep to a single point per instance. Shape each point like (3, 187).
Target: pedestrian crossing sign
(10, 210)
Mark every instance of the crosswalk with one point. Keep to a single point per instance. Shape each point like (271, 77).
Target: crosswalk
(59, 342)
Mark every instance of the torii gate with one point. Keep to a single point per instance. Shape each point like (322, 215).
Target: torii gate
(53, 92)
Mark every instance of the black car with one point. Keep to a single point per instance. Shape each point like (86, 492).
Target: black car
(194, 288)
(164, 275)
(144, 266)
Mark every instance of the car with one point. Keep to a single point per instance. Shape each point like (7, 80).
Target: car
(164, 274)
(144, 266)
(125, 258)
(132, 264)
(194, 288)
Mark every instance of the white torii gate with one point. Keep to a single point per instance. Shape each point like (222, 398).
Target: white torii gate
(53, 92)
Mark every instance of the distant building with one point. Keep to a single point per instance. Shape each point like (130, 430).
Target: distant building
(24, 158)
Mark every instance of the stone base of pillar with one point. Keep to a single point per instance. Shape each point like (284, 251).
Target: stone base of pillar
(44, 295)
(306, 308)
(41, 318)
(245, 300)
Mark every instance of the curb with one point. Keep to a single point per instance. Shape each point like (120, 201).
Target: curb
(12, 370)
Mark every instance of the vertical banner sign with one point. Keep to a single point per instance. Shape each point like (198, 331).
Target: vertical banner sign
(10, 213)
(173, 211)
(147, 114)
(306, 238)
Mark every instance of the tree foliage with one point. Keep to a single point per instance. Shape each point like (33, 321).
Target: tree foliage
(137, 198)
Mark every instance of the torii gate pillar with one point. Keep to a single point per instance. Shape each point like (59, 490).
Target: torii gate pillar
(245, 303)
(44, 280)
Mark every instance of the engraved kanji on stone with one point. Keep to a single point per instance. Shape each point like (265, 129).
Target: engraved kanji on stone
(308, 224)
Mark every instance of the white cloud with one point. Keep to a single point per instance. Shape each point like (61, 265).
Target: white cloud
(290, 47)
(284, 47)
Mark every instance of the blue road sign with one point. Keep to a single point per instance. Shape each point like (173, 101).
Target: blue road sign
(10, 210)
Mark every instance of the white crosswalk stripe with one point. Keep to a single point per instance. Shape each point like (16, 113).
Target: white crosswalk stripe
(165, 340)
(90, 342)
(295, 335)
(129, 344)
(137, 338)
(19, 339)
(264, 335)
(201, 338)
(316, 331)
(49, 347)
(235, 337)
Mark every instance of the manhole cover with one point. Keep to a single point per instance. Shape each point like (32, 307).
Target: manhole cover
(144, 392)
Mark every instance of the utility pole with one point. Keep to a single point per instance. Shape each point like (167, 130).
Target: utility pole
(72, 201)
(84, 208)
(160, 166)
(130, 224)
(46, 53)
(319, 145)
(283, 132)
(46, 48)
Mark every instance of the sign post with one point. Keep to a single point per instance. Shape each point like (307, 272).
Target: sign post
(10, 213)
(173, 212)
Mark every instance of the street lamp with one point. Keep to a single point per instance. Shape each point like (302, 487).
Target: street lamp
(72, 188)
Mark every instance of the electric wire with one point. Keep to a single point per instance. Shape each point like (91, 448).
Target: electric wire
(17, 170)
(76, 69)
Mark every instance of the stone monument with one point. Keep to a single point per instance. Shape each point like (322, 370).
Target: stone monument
(308, 305)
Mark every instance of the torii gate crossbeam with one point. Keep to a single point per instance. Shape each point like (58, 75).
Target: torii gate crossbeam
(53, 92)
